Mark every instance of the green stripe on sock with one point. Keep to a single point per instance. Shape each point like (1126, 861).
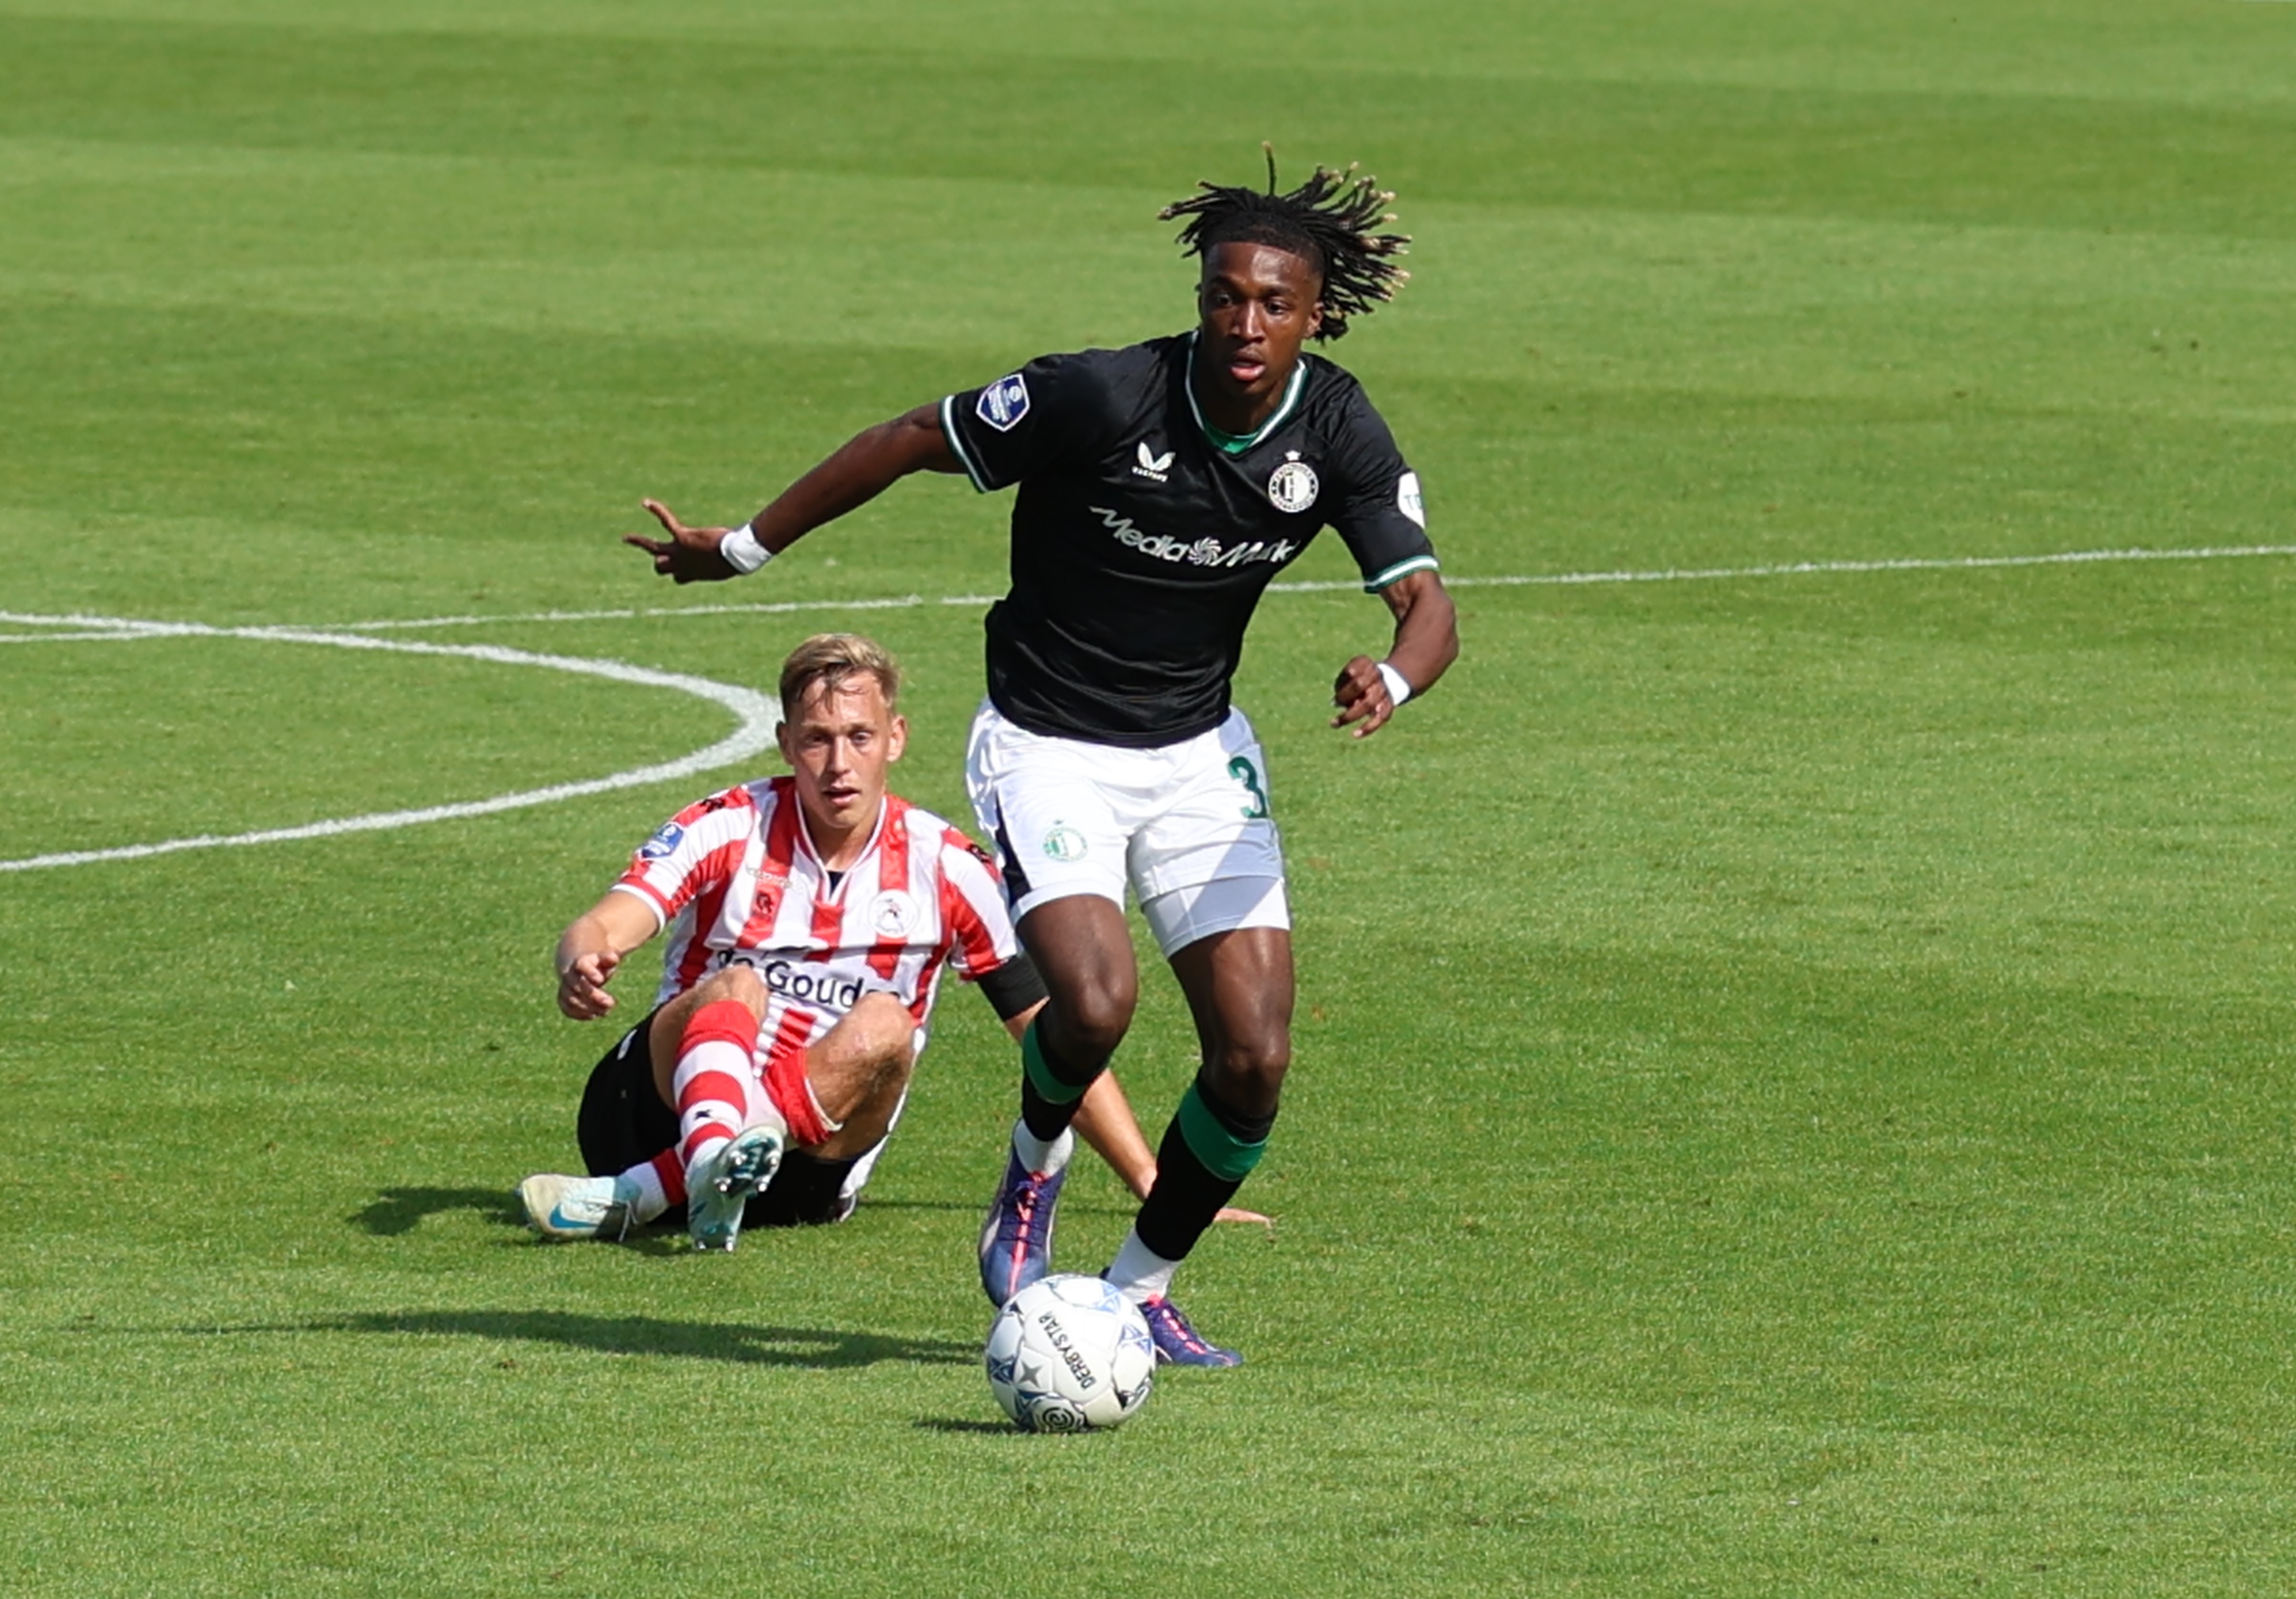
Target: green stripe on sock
(1040, 1074)
(1224, 1154)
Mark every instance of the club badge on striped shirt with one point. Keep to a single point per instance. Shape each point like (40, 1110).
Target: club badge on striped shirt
(893, 913)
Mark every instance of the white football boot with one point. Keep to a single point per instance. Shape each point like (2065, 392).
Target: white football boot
(563, 1207)
(718, 1187)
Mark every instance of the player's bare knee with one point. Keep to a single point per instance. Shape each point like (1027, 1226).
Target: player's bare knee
(1248, 1073)
(737, 982)
(666, 1031)
(1088, 1025)
(882, 1030)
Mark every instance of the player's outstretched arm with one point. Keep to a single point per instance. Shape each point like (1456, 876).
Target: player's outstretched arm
(592, 949)
(1426, 643)
(860, 470)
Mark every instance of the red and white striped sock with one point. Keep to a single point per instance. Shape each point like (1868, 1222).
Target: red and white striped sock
(713, 1081)
(657, 1185)
(790, 1090)
(669, 1168)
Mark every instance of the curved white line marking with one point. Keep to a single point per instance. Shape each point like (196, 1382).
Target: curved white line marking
(757, 714)
(633, 612)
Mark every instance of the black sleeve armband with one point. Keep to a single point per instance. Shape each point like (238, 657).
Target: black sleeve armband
(1013, 986)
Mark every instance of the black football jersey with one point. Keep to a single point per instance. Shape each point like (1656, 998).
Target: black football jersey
(1140, 545)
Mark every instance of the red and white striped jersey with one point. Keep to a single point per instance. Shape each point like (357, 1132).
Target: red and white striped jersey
(735, 879)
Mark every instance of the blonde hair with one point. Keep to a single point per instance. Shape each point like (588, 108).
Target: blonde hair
(829, 659)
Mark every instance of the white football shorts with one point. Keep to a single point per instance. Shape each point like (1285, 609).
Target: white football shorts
(1187, 826)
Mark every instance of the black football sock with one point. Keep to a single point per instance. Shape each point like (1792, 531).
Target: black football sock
(1051, 1089)
(1206, 1154)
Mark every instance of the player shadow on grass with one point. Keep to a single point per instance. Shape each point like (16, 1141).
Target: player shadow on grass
(398, 1211)
(819, 1349)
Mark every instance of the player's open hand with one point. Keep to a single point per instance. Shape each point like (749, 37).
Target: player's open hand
(688, 554)
(582, 985)
(1361, 694)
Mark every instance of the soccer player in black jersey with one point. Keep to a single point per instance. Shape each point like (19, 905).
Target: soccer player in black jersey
(1161, 486)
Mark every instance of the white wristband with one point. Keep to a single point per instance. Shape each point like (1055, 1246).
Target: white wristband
(1398, 690)
(743, 552)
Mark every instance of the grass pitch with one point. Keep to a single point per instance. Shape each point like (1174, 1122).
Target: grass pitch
(1794, 1077)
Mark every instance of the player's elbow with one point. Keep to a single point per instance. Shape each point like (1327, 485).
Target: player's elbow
(917, 442)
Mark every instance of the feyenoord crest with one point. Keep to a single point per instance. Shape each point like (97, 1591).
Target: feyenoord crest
(1293, 487)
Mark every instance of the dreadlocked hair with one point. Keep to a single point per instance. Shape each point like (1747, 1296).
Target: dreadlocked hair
(1326, 222)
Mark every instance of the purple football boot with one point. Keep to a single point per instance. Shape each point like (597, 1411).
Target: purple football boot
(1016, 1240)
(1179, 1344)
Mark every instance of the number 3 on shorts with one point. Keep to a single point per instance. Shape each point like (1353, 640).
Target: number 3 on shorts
(1247, 774)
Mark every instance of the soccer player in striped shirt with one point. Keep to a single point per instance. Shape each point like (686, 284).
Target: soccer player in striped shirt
(1161, 487)
(809, 918)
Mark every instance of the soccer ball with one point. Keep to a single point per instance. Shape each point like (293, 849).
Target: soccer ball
(1070, 1354)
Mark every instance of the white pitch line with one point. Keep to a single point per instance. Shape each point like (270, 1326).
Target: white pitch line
(1795, 569)
(112, 628)
(69, 638)
(636, 612)
(1802, 568)
(110, 624)
(1799, 569)
(68, 629)
(757, 715)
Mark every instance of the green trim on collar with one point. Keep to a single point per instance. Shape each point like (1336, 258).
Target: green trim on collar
(1236, 444)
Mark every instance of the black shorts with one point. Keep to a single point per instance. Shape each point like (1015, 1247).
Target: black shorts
(624, 1123)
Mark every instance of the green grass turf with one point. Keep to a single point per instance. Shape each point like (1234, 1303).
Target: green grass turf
(1793, 1088)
